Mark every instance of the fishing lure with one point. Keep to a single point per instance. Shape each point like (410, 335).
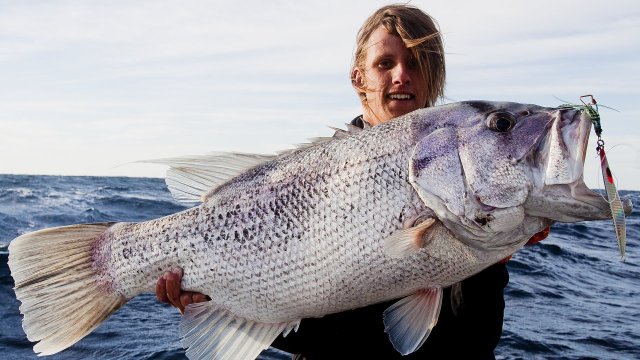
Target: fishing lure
(617, 212)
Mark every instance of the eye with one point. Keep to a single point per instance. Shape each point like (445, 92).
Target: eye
(412, 63)
(385, 64)
(501, 121)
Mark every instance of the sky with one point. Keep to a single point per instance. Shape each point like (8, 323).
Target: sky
(92, 87)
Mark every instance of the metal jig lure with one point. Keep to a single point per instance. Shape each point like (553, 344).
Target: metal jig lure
(617, 211)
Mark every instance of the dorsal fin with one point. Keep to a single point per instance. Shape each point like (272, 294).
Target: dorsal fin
(189, 178)
(338, 133)
(351, 129)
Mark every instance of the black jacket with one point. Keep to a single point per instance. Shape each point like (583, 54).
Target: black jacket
(472, 331)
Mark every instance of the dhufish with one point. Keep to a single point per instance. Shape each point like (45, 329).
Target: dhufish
(398, 211)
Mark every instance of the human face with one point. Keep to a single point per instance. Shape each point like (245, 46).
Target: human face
(391, 79)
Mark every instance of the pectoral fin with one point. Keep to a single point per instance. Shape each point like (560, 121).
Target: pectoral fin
(209, 332)
(410, 320)
(406, 242)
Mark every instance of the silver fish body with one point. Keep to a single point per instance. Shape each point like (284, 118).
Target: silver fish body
(400, 210)
(299, 237)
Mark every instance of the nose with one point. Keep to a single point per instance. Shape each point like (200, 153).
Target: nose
(401, 75)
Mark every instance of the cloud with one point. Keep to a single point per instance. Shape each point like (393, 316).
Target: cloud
(87, 85)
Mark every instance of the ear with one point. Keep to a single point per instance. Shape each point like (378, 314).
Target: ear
(357, 80)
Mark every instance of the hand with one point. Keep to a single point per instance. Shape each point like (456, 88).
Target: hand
(536, 238)
(168, 291)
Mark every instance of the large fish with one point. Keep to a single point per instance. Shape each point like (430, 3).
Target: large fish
(398, 211)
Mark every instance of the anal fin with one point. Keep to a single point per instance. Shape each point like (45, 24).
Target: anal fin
(410, 320)
(209, 332)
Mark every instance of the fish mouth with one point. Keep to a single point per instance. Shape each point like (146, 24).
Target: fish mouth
(571, 203)
(562, 194)
(567, 147)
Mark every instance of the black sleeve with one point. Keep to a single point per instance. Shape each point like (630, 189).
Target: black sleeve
(472, 331)
(358, 121)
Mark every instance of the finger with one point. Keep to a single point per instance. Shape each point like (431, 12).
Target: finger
(173, 290)
(539, 236)
(190, 297)
(161, 289)
(186, 298)
(197, 297)
(546, 231)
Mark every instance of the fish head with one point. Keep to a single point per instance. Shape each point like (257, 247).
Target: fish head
(495, 173)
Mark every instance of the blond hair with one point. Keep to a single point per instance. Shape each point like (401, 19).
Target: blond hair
(419, 33)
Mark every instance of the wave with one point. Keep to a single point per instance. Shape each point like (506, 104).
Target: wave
(569, 296)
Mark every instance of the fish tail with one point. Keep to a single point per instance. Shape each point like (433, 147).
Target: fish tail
(55, 280)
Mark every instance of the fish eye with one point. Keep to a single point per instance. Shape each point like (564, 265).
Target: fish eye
(501, 121)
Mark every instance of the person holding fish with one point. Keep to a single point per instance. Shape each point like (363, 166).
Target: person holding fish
(422, 208)
(398, 67)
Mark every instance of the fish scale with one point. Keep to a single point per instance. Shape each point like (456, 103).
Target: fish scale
(401, 210)
(335, 225)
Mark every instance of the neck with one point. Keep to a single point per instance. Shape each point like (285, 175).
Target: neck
(370, 118)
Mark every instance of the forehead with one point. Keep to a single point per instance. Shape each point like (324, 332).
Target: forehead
(381, 43)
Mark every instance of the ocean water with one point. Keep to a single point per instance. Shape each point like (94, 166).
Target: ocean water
(569, 297)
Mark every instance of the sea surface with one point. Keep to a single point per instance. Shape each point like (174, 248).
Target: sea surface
(569, 296)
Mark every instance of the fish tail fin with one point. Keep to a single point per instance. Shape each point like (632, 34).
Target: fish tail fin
(56, 282)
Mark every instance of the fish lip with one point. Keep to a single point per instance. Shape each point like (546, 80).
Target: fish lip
(571, 203)
(581, 192)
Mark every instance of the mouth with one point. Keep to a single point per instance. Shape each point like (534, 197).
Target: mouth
(564, 196)
(401, 96)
